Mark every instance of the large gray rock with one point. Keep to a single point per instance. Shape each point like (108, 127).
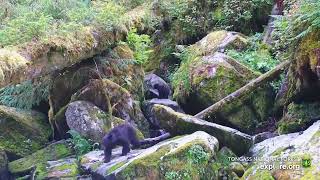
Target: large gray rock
(292, 151)
(178, 123)
(99, 92)
(192, 153)
(123, 106)
(155, 87)
(90, 121)
(117, 65)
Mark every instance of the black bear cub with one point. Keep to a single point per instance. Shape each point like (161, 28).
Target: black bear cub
(122, 135)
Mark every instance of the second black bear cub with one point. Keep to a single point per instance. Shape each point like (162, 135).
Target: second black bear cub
(122, 135)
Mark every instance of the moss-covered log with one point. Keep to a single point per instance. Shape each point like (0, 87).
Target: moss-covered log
(251, 86)
(178, 124)
(38, 58)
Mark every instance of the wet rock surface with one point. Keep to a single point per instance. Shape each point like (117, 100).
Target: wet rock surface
(156, 161)
(292, 152)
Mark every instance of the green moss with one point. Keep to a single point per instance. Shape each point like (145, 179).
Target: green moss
(67, 170)
(115, 167)
(223, 156)
(188, 162)
(315, 138)
(310, 173)
(41, 171)
(298, 117)
(72, 169)
(289, 127)
(23, 132)
(11, 61)
(52, 152)
(278, 151)
(142, 167)
(307, 48)
(259, 174)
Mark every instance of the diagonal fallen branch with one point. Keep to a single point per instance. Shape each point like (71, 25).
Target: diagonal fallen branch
(270, 75)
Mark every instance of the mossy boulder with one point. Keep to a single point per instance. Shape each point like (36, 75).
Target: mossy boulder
(39, 159)
(11, 64)
(209, 79)
(302, 80)
(226, 165)
(90, 121)
(187, 21)
(118, 65)
(299, 117)
(206, 76)
(66, 168)
(122, 69)
(22, 132)
(187, 156)
(237, 168)
(296, 153)
(103, 92)
(178, 124)
(217, 41)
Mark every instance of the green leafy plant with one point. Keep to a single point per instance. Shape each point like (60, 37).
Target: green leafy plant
(258, 56)
(190, 16)
(108, 14)
(24, 95)
(197, 155)
(141, 45)
(239, 15)
(296, 24)
(129, 4)
(183, 72)
(26, 20)
(172, 175)
(80, 144)
(305, 20)
(24, 28)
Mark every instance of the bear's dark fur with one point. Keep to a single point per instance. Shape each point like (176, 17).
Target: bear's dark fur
(122, 135)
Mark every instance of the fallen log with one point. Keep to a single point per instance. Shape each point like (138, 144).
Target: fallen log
(179, 124)
(210, 111)
(152, 141)
(43, 57)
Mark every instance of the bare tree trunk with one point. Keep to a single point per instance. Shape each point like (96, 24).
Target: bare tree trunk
(251, 86)
(152, 141)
